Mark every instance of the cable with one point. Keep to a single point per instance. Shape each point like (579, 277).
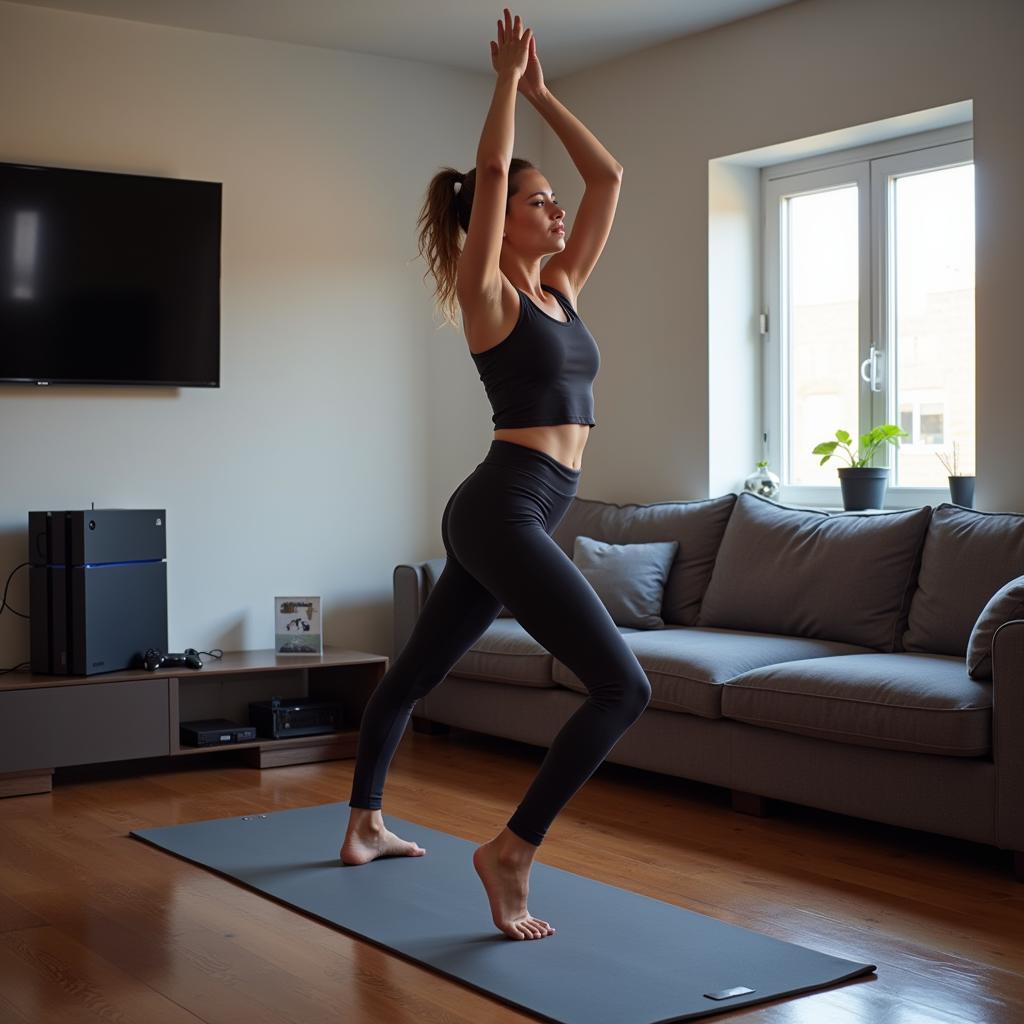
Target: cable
(3, 601)
(3, 605)
(215, 653)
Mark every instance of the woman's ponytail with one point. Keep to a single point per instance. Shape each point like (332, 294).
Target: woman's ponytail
(443, 218)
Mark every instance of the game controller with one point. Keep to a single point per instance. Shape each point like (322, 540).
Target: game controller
(155, 659)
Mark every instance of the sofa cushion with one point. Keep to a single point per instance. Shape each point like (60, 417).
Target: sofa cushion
(924, 703)
(968, 555)
(696, 525)
(629, 578)
(846, 577)
(686, 665)
(1005, 604)
(506, 653)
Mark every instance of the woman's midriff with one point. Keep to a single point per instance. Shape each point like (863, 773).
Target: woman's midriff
(564, 442)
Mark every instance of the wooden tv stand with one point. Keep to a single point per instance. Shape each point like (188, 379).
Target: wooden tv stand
(50, 721)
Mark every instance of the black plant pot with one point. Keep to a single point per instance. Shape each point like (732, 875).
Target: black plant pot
(863, 486)
(961, 490)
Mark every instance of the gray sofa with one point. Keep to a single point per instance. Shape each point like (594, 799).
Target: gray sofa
(867, 663)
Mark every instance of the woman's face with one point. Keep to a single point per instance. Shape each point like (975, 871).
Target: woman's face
(534, 216)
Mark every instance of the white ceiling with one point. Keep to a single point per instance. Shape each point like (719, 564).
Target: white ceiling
(571, 34)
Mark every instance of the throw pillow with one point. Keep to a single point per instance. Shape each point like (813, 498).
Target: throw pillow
(1005, 604)
(629, 578)
(697, 525)
(968, 555)
(846, 577)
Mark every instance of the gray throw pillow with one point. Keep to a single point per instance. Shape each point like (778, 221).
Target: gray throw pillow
(968, 555)
(1005, 604)
(629, 578)
(697, 525)
(846, 577)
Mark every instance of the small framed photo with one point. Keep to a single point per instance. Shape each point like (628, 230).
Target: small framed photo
(298, 626)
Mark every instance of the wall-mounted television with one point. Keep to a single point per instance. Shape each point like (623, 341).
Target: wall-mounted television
(108, 278)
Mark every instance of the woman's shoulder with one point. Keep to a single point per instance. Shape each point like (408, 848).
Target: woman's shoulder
(556, 279)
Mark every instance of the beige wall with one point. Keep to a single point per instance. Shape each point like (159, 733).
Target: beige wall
(802, 70)
(344, 419)
(327, 328)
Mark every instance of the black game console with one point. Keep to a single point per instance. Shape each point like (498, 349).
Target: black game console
(97, 588)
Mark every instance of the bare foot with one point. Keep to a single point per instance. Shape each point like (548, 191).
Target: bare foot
(363, 845)
(507, 882)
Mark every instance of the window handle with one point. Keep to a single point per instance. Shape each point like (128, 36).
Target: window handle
(871, 365)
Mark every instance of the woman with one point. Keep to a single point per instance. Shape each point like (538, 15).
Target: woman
(537, 361)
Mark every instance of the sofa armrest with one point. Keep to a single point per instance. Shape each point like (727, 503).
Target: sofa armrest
(1008, 732)
(411, 583)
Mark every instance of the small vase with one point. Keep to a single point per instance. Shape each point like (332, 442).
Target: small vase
(863, 486)
(762, 482)
(961, 490)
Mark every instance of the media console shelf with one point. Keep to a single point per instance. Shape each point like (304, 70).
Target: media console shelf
(47, 722)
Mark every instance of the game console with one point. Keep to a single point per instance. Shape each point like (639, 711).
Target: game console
(97, 589)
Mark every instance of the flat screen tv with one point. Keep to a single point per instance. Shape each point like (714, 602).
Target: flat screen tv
(108, 278)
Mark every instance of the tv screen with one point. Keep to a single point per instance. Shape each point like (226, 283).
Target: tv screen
(108, 278)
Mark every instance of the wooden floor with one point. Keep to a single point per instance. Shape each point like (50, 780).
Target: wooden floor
(97, 926)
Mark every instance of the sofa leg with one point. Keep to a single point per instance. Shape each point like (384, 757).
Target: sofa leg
(1018, 865)
(751, 803)
(429, 727)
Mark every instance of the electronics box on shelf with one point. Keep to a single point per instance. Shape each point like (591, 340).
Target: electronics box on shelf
(212, 732)
(97, 588)
(295, 716)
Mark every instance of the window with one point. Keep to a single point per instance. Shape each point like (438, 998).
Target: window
(869, 312)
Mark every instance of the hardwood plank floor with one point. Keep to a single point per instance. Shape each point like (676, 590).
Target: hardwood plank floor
(96, 925)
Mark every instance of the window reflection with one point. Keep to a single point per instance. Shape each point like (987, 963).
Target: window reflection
(25, 238)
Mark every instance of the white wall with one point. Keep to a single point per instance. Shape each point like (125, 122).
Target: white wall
(325, 318)
(735, 359)
(344, 418)
(797, 71)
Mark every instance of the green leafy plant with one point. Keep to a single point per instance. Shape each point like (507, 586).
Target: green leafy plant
(762, 464)
(887, 434)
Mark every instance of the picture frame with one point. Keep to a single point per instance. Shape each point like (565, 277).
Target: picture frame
(298, 626)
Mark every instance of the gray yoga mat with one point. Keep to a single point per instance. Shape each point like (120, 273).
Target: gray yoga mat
(616, 957)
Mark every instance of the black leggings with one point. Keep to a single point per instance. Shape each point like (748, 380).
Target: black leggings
(496, 531)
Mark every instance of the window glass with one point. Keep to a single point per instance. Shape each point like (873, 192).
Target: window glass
(933, 318)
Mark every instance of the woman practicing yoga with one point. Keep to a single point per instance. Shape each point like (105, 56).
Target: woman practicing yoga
(537, 361)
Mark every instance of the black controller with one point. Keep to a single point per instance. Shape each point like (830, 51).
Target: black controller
(155, 659)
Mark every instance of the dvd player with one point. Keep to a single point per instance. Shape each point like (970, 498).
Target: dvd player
(212, 732)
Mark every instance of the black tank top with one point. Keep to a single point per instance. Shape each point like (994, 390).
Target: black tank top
(541, 374)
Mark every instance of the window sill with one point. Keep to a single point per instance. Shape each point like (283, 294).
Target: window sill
(829, 499)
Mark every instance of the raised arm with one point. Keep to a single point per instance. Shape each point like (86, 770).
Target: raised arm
(601, 172)
(479, 277)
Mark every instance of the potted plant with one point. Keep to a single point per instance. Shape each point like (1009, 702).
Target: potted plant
(863, 486)
(762, 481)
(961, 485)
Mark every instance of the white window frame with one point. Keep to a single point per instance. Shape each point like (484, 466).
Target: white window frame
(872, 169)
